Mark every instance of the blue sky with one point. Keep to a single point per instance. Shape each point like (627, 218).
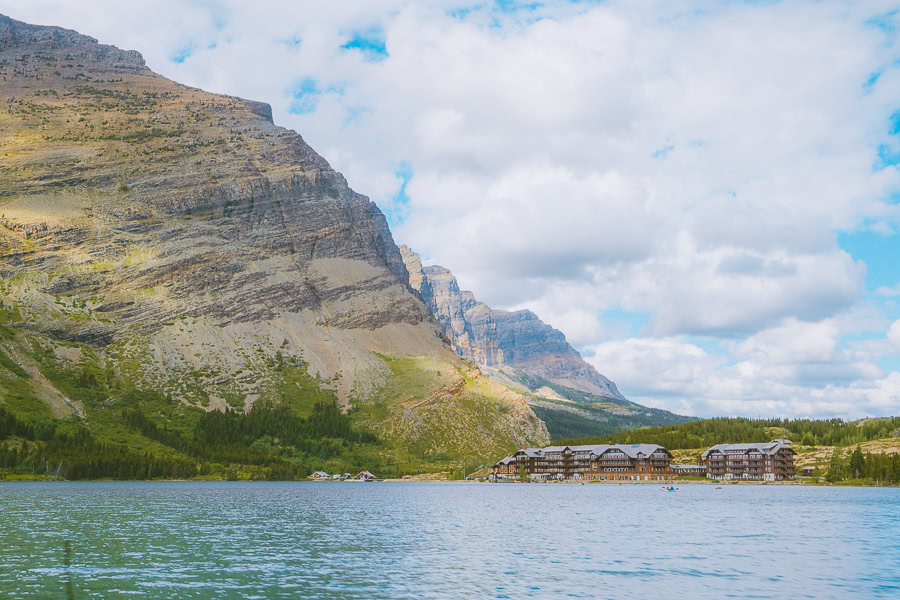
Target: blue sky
(712, 221)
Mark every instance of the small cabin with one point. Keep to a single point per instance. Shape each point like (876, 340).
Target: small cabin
(364, 476)
(321, 475)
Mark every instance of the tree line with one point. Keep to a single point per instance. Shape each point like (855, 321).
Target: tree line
(76, 454)
(859, 465)
(709, 432)
(269, 442)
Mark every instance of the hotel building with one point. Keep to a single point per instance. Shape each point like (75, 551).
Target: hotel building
(632, 462)
(773, 461)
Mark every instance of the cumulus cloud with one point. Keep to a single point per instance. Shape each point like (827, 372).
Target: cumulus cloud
(795, 369)
(692, 165)
(893, 334)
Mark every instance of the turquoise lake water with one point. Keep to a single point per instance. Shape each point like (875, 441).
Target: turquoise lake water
(446, 540)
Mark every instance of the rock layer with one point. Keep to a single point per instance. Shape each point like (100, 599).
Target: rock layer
(467, 323)
(499, 340)
(540, 350)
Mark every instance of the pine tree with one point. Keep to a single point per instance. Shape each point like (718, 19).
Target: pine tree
(857, 463)
(835, 467)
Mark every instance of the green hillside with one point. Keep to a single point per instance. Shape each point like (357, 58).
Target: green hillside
(578, 414)
(107, 425)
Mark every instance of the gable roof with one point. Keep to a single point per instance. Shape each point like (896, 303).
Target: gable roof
(763, 448)
(630, 450)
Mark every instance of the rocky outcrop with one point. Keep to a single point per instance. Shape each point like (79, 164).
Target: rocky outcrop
(186, 238)
(540, 350)
(502, 341)
(468, 324)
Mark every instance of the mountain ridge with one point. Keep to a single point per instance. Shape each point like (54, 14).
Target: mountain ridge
(499, 338)
(171, 250)
(519, 350)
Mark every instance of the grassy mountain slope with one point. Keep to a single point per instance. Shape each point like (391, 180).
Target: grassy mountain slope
(571, 413)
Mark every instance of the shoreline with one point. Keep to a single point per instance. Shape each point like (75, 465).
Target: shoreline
(675, 483)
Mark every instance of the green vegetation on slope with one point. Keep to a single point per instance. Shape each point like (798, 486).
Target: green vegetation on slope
(565, 421)
(589, 415)
(434, 416)
(106, 426)
(265, 443)
(429, 415)
(708, 432)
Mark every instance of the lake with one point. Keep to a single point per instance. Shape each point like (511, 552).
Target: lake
(446, 540)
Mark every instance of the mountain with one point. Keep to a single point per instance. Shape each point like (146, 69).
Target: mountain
(508, 341)
(519, 350)
(173, 251)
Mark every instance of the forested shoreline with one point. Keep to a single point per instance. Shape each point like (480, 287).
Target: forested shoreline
(272, 442)
(267, 442)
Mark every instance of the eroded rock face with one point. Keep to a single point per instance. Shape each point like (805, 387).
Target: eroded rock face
(197, 201)
(130, 203)
(496, 338)
(468, 324)
(538, 349)
(185, 237)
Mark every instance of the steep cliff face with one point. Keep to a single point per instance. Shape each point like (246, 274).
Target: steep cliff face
(184, 241)
(501, 341)
(468, 324)
(519, 350)
(533, 346)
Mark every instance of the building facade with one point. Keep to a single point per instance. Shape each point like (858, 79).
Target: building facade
(773, 461)
(631, 462)
(698, 470)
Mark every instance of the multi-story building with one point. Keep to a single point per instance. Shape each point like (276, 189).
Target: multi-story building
(773, 461)
(633, 462)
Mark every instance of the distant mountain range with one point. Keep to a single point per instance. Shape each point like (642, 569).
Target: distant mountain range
(519, 350)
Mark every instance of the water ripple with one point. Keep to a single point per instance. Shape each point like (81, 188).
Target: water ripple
(443, 541)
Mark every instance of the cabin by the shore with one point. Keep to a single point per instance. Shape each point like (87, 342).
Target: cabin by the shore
(364, 476)
(320, 475)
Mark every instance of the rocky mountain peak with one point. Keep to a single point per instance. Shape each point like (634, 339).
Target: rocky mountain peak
(38, 38)
(468, 324)
(497, 339)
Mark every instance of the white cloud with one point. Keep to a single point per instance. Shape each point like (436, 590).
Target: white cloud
(891, 291)
(693, 165)
(893, 334)
(796, 369)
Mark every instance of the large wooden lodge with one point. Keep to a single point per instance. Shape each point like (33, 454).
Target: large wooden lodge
(632, 462)
(773, 461)
(762, 462)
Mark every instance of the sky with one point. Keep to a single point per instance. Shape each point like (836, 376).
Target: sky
(703, 196)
